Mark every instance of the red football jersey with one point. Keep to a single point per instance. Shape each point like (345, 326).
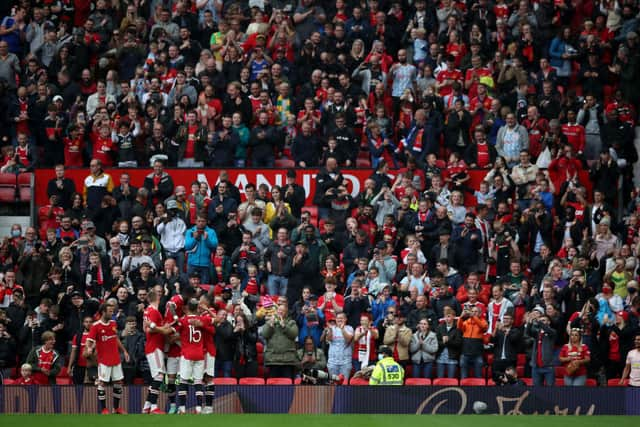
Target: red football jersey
(191, 339)
(45, 361)
(81, 361)
(208, 334)
(105, 335)
(155, 340)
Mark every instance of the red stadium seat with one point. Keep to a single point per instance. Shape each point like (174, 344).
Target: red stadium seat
(25, 189)
(559, 382)
(358, 381)
(8, 185)
(251, 381)
(259, 347)
(520, 371)
(297, 381)
(491, 382)
(522, 359)
(285, 163)
(615, 382)
(279, 381)
(225, 381)
(8, 381)
(473, 382)
(591, 382)
(417, 381)
(363, 163)
(527, 381)
(63, 381)
(63, 372)
(445, 381)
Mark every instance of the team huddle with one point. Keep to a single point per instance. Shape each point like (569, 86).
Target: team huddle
(179, 344)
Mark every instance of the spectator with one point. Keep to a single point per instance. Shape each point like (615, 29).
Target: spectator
(423, 347)
(280, 333)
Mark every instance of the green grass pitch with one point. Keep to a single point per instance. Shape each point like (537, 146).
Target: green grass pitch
(263, 420)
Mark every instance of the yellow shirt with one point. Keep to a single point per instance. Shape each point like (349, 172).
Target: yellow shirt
(387, 372)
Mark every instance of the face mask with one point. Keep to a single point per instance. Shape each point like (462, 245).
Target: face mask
(632, 290)
(15, 233)
(380, 356)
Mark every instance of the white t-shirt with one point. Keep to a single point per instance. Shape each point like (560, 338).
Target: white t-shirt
(633, 359)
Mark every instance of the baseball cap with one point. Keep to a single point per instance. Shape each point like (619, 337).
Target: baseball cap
(172, 204)
(57, 98)
(88, 225)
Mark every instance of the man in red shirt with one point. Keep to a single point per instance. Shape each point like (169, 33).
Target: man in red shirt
(155, 330)
(172, 313)
(446, 78)
(73, 146)
(191, 327)
(574, 132)
(208, 313)
(104, 342)
(78, 363)
(103, 146)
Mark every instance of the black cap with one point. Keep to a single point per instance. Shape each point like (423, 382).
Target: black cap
(386, 350)
(381, 245)
(76, 294)
(291, 173)
(301, 242)
(194, 273)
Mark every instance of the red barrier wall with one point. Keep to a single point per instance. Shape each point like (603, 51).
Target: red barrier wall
(240, 177)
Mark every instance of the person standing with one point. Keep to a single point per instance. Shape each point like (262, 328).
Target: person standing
(632, 367)
(104, 342)
(387, 370)
(200, 242)
(155, 330)
(339, 337)
(575, 356)
(542, 355)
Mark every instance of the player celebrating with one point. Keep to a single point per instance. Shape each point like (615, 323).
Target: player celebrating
(155, 330)
(103, 340)
(172, 314)
(208, 313)
(191, 327)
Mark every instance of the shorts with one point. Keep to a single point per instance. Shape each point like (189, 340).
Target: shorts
(172, 365)
(209, 365)
(108, 374)
(156, 363)
(191, 370)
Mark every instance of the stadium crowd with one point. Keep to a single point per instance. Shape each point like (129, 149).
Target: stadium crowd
(539, 271)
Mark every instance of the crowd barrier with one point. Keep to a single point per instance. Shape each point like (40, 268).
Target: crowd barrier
(345, 400)
(240, 177)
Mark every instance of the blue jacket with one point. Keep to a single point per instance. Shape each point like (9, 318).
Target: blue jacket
(200, 250)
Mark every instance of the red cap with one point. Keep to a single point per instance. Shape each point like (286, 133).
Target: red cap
(624, 315)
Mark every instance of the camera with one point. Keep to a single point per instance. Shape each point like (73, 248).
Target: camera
(318, 377)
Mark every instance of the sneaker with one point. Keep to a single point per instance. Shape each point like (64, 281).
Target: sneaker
(157, 411)
(182, 411)
(119, 411)
(173, 409)
(146, 410)
(207, 410)
(105, 411)
(198, 409)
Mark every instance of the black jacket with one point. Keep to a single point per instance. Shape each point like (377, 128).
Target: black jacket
(508, 343)
(454, 343)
